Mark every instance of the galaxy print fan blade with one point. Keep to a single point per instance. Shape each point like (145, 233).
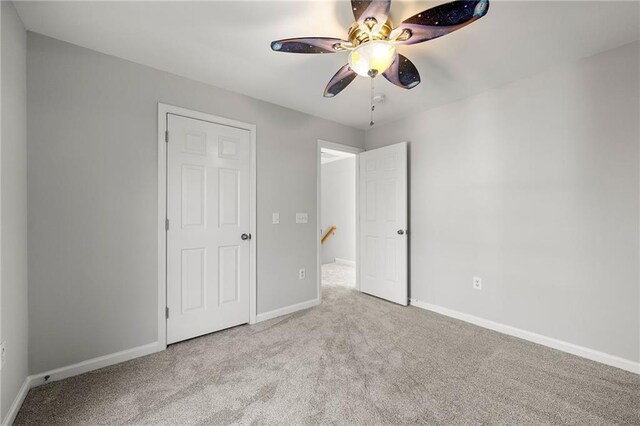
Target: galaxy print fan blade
(309, 45)
(340, 80)
(438, 21)
(403, 73)
(371, 9)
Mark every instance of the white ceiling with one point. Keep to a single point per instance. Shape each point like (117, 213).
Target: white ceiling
(226, 44)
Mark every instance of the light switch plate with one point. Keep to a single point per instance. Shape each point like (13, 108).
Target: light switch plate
(276, 218)
(302, 218)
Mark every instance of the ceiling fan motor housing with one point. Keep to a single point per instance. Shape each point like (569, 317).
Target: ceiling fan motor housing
(359, 34)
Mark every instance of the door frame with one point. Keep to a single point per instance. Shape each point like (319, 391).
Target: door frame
(351, 150)
(163, 111)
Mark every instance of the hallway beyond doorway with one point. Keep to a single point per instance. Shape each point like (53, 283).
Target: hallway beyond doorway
(340, 274)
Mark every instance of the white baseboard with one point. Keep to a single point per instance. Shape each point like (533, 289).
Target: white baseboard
(17, 403)
(75, 369)
(287, 310)
(345, 261)
(604, 358)
(94, 364)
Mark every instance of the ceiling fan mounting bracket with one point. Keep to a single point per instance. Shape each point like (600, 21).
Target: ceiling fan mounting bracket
(359, 34)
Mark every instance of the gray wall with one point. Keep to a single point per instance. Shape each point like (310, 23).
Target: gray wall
(338, 207)
(13, 189)
(534, 187)
(92, 184)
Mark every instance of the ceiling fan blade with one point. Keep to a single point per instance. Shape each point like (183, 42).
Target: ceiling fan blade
(377, 9)
(438, 21)
(309, 45)
(339, 81)
(402, 73)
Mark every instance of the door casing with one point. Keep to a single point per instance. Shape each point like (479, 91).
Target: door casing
(163, 111)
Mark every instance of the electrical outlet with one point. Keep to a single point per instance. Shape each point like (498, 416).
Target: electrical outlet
(477, 283)
(302, 218)
(302, 274)
(3, 353)
(276, 218)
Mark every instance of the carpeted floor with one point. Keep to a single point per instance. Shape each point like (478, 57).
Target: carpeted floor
(339, 274)
(353, 360)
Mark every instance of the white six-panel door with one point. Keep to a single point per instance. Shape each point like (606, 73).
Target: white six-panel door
(383, 223)
(208, 207)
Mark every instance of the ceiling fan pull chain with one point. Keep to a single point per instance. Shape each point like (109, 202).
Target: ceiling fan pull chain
(373, 105)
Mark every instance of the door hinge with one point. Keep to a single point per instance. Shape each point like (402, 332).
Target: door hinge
(166, 224)
(166, 312)
(166, 136)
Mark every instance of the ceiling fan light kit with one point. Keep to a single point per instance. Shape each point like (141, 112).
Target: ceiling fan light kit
(372, 58)
(372, 41)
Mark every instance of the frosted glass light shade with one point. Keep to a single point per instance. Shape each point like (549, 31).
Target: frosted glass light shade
(372, 58)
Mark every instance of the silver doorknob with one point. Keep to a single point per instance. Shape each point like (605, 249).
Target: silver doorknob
(246, 236)
(400, 231)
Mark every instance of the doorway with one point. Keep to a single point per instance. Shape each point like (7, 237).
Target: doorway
(207, 176)
(338, 215)
(374, 185)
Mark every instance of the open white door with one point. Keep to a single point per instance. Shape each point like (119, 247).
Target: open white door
(208, 238)
(383, 223)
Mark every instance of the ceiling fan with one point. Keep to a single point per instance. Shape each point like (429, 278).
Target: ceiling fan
(372, 40)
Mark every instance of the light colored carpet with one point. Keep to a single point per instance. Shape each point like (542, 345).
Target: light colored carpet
(353, 360)
(339, 274)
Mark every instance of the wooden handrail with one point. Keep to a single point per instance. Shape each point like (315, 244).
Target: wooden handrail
(328, 234)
